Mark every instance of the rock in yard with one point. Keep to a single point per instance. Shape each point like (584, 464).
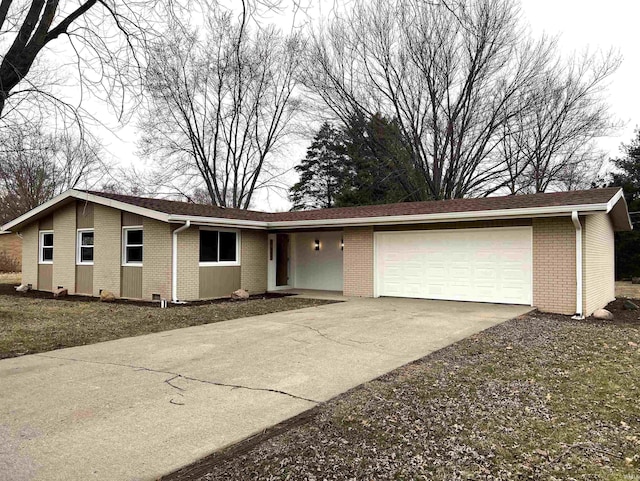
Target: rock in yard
(635, 280)
(630, 306)
(22, 288)
(602, 314)
(60, 292)
(107, 296)
(240, 294)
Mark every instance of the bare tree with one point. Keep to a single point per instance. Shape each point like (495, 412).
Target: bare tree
(219, 105)
(105, 35)
(459, 77)
(36, 166)
(552, 135)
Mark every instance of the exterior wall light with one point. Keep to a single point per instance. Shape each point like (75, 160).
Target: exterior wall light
(342, 244)
(316, 244)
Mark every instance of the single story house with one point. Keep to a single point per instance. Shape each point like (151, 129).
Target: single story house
(554, 251)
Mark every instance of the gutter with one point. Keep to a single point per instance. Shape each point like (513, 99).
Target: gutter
(551, 211)
(174, 261)
(578, 226)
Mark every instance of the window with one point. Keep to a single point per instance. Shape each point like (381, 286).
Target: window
(132, 246)
(46, 247)
(218, 247)
(85, 247)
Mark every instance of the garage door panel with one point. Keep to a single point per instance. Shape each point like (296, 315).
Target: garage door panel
(486, 265)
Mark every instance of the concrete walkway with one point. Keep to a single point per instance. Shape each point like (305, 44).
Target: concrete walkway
(141, 407)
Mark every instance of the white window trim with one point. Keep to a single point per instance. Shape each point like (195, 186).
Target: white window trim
(79, 246)
(221, 263)
(124, 245)
(40, 246)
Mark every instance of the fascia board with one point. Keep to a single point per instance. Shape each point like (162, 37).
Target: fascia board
(116, 204)
(89, 198)
(444, 217)
(37, 210)
(218, 221)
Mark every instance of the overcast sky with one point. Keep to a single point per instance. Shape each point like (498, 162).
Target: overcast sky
(599, 25)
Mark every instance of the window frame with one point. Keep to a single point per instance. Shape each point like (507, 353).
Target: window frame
(79, 246)
(41, 246)
(220, 263)
(125, 229)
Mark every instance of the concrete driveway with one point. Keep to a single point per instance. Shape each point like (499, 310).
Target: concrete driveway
(141, 407)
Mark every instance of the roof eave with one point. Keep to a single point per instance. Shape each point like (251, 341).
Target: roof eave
(220, 222)
(552, 211)
(19, 222)
(619, 212)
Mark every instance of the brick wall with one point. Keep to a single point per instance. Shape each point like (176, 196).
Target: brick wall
(64, 248)
(598, 272)
(30, 254)
(11, 248)
(156, 262)
(188, 264)
(253, 260)
(554, 265)
(107, 250)
(358, 261)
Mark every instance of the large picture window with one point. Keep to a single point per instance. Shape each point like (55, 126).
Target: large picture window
(85, 247)
(218, 247)
(46, 247)
(132, 250)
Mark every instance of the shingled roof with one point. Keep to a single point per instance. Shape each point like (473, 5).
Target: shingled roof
(559, 203)
(175, 207)
(579, 197)
(572, 198)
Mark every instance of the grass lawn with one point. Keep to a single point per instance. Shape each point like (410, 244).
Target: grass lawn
(31, 324)
(541, 397)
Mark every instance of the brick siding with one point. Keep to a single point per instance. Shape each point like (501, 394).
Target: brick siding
(358, 266)
(156, 262)
(30, 254)
(107, 250)
(188, 264)
(253, 261)
(64, 248)
(554, 265)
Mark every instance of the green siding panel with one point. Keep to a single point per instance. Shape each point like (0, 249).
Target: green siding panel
(84, 280)
(45, 277)
(219, 281)
(131, 282)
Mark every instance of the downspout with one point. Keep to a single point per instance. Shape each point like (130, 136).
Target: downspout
(576, 223)
(174, 262)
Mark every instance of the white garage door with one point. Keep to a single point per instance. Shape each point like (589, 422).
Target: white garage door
(484, 265)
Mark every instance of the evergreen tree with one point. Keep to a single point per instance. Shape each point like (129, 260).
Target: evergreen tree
(380, 164)
(628, 177)
(322, 171)
(367, 162)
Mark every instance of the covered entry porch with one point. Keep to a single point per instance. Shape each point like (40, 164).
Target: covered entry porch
(309, 260)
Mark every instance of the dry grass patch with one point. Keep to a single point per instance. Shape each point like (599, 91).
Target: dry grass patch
(30, 324)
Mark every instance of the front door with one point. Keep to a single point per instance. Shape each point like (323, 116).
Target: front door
(282, 260)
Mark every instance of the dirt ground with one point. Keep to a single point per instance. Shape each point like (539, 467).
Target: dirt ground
(36, 322)
(628, 290)
(541, 397)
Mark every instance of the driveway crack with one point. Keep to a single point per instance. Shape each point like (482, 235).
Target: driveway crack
(182, 376)
(329, 338)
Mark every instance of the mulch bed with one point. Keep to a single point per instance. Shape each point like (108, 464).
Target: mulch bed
(538, 397)
(9, 290)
